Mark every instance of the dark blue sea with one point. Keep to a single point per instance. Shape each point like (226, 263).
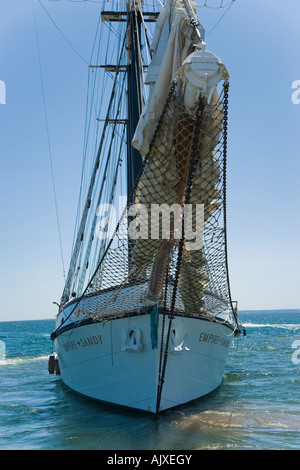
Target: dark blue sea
(256, 407)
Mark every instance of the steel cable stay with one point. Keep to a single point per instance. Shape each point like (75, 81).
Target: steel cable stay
(107, 195)
(99, 251)
(46, 119)
(110, 194)
(62, 34)
(48, 141)
(103, 175)
(229, 6)
(92, 90)
(80, 232)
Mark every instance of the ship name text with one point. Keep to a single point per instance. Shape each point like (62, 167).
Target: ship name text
(83, 342)
(214, 339)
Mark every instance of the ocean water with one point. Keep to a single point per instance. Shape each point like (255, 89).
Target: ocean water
(256, 407)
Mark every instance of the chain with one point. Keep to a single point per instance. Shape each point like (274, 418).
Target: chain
(225, 124)
(193, 162)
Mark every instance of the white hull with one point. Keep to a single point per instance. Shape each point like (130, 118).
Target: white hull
(97, 360)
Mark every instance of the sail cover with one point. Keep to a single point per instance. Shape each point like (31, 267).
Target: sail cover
(172, 41)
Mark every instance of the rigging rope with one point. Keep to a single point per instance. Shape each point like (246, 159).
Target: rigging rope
(226, 11)
(80, 234)
(65, 38)
(48, 139)
(88, 117)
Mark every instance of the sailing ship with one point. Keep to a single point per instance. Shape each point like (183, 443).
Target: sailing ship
(146, 316)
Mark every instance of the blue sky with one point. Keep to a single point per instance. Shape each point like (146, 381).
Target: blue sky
(258, 40)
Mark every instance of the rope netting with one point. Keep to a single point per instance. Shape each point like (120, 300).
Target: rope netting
(171, 207)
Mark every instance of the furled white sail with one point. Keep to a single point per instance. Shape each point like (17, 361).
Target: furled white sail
(195, 76)
(172, 41)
